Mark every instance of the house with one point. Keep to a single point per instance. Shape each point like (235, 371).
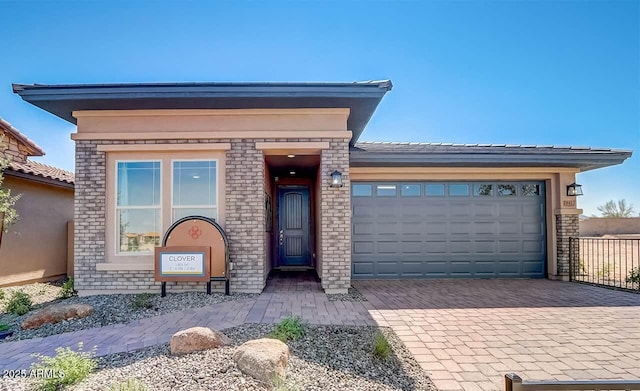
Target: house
(149, 154)
(36, 247)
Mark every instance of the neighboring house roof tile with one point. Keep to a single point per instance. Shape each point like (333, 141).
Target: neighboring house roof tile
(43, 170)
(32, 146)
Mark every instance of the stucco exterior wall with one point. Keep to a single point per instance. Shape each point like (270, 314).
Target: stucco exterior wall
(36, 246)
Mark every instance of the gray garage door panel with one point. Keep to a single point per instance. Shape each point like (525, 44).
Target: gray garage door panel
(484, 234)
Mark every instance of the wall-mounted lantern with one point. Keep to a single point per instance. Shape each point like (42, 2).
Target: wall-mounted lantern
(574, 190)
(336, 179)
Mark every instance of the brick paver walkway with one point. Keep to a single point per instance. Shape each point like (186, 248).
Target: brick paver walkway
(466, 333)
(283, 297)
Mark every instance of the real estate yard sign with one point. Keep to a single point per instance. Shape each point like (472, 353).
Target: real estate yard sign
(183, 263)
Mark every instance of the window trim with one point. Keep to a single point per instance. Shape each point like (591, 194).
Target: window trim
(216, 206)
(116, 208)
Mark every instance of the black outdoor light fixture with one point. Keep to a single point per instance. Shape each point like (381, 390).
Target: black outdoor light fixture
(336, 179)
(574, 189)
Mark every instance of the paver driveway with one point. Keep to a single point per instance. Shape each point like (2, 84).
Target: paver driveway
(468, 333)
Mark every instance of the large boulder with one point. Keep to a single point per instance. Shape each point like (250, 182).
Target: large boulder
(57, 313)
(196, 339)
(264, 359)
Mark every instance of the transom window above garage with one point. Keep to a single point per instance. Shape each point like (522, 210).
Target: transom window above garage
(446, 189)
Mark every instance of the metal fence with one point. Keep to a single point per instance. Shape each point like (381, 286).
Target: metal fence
(606, 262)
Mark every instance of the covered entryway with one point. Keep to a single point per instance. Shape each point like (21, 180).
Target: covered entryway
(448, 229)
(291, 210)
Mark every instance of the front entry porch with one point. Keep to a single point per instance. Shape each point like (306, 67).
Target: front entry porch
(291, 189)
(307, 217)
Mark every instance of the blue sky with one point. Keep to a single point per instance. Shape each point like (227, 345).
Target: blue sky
(563, 73)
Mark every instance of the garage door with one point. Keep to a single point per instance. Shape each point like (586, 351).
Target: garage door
(448, 229)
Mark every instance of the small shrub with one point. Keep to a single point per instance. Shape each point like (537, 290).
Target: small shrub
(634, 276)
(132, 384)
(381, 347)
(1, 294)
(278, 384)
(4, 327)
(143, 301)
(67, 367)
(605, 270)
(67, 290)
(19, 303)
(288, 329)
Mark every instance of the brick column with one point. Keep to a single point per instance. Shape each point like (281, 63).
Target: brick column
(567, 226)
(245, 219)
(89, 213)
(335, 215)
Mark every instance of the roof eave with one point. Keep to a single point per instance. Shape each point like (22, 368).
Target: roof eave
(583, 161)
(61, 100)
(39, 178)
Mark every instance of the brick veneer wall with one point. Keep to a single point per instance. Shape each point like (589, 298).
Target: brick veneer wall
(244, 219)
(567, 226)
(89, 219)
(245, 215)
(336, 219)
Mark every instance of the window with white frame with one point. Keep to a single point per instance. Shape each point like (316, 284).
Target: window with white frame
(195, 189)
(138, 205)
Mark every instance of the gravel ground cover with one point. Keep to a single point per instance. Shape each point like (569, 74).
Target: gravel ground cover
(40, 293)
(352, 295)
(109, 309)
(326, 358)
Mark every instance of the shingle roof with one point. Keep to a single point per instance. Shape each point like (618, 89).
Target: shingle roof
(43, 170)
(399, 147)
(35, 149)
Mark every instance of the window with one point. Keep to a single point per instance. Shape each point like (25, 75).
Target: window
(194, 189)
(458, 190)
(530, 190)
(434, 190)
(386, 190)
(138, 206)
(361, 190)
(410, 190)
(483, 190)
(506, 190)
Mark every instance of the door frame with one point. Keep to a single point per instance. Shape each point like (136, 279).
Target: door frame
(294, 184)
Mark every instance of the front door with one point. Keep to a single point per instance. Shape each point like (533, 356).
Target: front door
(293, 226)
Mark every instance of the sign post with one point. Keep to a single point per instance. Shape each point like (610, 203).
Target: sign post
(182, 263)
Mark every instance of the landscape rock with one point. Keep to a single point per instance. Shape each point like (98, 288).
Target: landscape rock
(196, 339)
(57, 313)
(264, 359)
